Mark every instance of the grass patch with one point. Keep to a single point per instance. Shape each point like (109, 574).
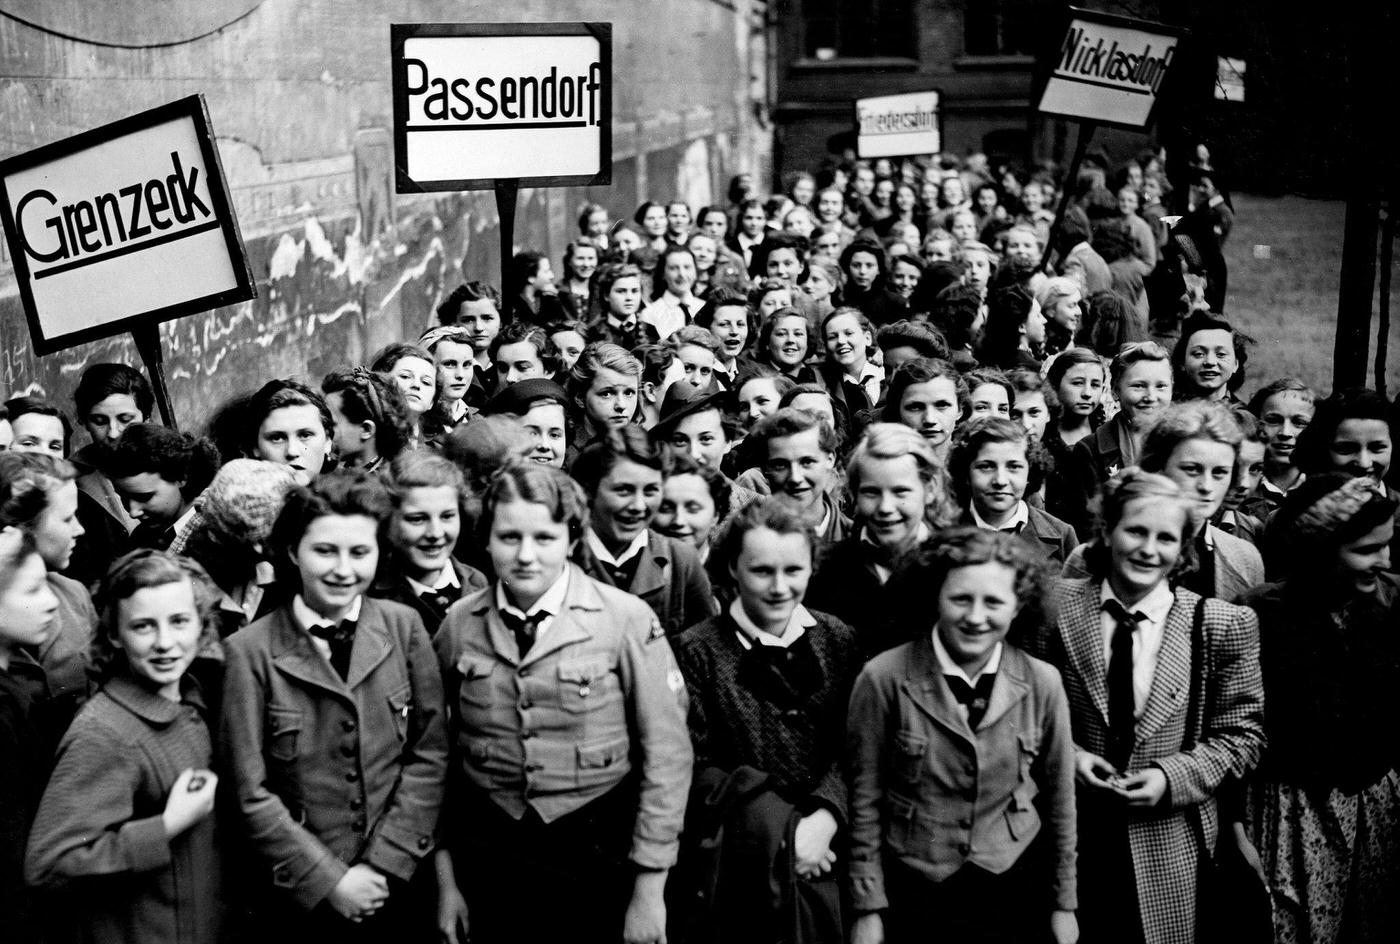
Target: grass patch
(1288, 302)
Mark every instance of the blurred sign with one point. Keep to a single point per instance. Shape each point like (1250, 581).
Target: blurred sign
(122, 227)
(1109, 69)
(1229, 79)
(477, 103)
(899, 125)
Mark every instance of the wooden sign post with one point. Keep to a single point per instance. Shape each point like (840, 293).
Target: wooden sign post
(499, 106)
(122, 227)
(1109, 70)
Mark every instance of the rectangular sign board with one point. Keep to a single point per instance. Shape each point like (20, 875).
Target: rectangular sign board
(481, 102)
(1109, 70)
(121, 226)
(899, 125)
(1229, 79)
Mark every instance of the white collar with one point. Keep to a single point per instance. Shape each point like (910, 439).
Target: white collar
(1019, 519)
(616, 322)
(1155, 606)
(920, 536)
(447, 578)
(310, 619)
(1216, 200)
(638, 545)
(551, 601)
(948, 667)
(750, 635)
(675, 301)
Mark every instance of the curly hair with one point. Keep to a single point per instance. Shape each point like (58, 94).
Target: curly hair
(367, 396)
(28, 481)
(175, 457)
(922, 370)
(1313, 452)
(140, 570)
(538, 337)
(968, 441)
(451, 306)
(1193, 419)
(894, 441)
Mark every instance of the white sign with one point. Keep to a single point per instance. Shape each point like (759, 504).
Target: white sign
(1109, 70)
(121, 225)
(1229, 79)
(898, 125)
(474, 104)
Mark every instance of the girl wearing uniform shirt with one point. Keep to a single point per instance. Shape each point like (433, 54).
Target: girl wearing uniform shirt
(1284, 409)
(571, 763)
(332, 730)
(854, 381)
(27, 608)
(1206, 360)
(960, 756)
(1166, 706)
(126, 827)
(1326, 798)
(769, 683)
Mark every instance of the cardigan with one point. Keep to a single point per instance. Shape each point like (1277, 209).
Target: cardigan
(99, 835)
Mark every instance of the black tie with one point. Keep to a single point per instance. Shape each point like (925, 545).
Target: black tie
(1121, 701)
(341, 639)
(974, 698)
(437, 601)
(685, 312)
(524, 628)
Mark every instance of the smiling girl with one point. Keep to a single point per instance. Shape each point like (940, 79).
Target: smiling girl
(126, 826)
(855, 383)
(930, 397)
(332, 728)
(415, 373)
(783, 343)
(960, 756)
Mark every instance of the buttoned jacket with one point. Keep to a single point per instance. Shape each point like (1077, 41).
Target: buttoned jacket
(597, 699)
(669, 578)
(330, 772)
(931, 792)
(1050, 537)
(1167, 841)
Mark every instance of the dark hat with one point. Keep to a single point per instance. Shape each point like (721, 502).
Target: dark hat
(521, 395)
(682, 400)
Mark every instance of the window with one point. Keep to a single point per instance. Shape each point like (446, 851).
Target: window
(858, 29)
(1003, 28)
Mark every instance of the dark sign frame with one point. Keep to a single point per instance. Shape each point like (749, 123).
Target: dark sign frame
(193, 108)
(399, 33)
(1046, 67)
(855, 114)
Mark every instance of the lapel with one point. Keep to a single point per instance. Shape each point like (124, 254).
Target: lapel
(654, 569)
(294, 655)
(568, 627)
(1011, 685)
(1171, 681)
(1080, 632)
(1106, 441)
(923, 683)
(372, 644)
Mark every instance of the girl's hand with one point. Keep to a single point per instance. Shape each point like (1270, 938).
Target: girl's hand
(1091, 770)
(812, 844)
(453, 924)
(645, 922)
(1144, 788)
(191, 800)
(360, 892)
(1064, 927)
(868, 929)
(1249, 853)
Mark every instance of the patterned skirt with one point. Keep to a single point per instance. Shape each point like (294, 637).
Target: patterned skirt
(1332, 860)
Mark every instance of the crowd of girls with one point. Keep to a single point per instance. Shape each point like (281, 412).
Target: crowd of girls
(813, 568)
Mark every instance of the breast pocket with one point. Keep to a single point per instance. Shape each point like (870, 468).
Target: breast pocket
(284, 726)
(909, 751)
(1028, 751)
(474, 689)
(587, 685)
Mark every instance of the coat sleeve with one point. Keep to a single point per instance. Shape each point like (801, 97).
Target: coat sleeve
(298, 861)
(656, 702)
(1058, 788)
(866, 747)
(86, 824)
(699, 596)
(407, 830)
(1232, 734)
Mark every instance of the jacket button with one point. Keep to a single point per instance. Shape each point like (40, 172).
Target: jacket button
(792, 714)
(964, 848)
(524, 706)
(347, 726)
(965, 822)
(356, 803)
(353, 776)
(526, 735)
(424, 842)
(283, 876)
(358, 824)
(347, 750)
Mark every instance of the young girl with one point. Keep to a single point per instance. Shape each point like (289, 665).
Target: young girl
(822, 284)
(989, 392)
(695, 498)
(158, 473)
(929, 397)
(1060, 299)
(602, 391)
(620, 288)
(1205, 360)
(1324, 798)
(757, 392)
(769, 683)
(864, 265)
(461, 382)
(783, 344)
(993, 465)
(1284, 409)
(854, 381)
(38, 426)
(1077, 377)
(415, 373)
(428, 493)
(27, 608)
(126, 826)
(580, 264)
(1034, 404)
(332, 729)
(288, 423)
(1166, 704)
(770, 295)
(566, 812)
(372, 423)
(567, 338)
(726, 315)
(960, 754)
(1014, 335)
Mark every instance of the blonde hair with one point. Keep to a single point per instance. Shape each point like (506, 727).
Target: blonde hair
(894, 440)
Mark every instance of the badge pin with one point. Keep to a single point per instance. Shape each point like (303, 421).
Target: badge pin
(583, 690)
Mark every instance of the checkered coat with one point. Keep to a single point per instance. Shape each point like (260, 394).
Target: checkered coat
(1166, 842)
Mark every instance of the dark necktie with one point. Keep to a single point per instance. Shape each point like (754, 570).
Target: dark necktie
(973, 697)
(341, 639)
(437, 601)
(1121, 701)
(685, 311)
(524, 628)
